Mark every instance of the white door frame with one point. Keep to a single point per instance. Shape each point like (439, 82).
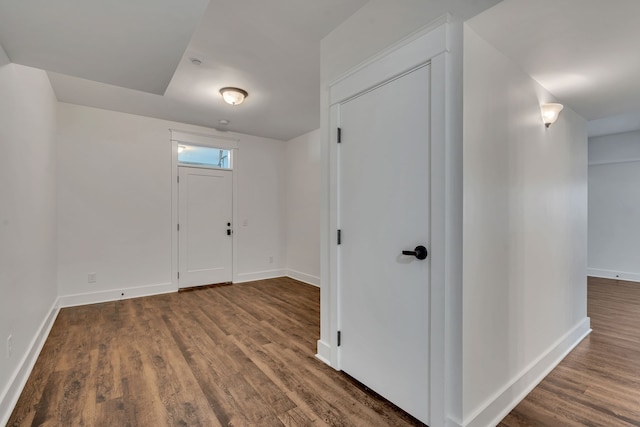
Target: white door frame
(179, 136)
(440, 45)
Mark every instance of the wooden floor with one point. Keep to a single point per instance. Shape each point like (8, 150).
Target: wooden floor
(598, 383)
(240, 355)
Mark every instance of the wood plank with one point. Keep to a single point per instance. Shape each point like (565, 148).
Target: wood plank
(241, 355)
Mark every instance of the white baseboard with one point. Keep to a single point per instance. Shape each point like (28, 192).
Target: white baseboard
(324, 352)
(304, 277)
(617, 275)
(115, 295)
(500, 404)
(259, 275)
(10, 395)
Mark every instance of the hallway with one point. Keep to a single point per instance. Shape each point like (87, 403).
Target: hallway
(598, 383)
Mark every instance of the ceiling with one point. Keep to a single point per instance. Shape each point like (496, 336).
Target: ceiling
(585, 52)
(136, 57)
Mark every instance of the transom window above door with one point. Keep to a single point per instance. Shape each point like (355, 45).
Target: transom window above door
(210, 157)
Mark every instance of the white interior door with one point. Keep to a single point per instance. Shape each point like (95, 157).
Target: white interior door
(205, 244)
(383, 209)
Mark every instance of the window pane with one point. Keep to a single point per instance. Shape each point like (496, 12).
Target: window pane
(204, 156)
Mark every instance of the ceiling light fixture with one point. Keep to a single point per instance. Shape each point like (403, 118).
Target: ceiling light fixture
(196, 61)
(224, 122)
(233, 95)
(550, 113)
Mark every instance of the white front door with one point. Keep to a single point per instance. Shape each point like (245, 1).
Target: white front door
(384, 209)
(205, 213)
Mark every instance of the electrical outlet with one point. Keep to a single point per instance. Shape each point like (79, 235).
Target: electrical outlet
(9, 350)
(270, 260)
(91, 278)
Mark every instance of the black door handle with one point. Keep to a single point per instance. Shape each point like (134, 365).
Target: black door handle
(419, 252)
(228, 232)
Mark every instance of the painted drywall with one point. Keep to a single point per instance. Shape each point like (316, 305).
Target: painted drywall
(524, 233)
(614, 206)
(302, 214)
(115, 206)
(27, 220)
(261, 207)
(4, 59)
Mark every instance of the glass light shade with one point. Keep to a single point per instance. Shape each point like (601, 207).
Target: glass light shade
(550, 113)
(233, 95)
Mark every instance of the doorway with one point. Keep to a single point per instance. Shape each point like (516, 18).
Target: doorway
(415, 150)
(204, 208)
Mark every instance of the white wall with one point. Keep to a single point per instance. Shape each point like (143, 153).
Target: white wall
(524, 234)
(114, 205)
(302, 214)
(27, 221)
(614, 206)
(261, 193)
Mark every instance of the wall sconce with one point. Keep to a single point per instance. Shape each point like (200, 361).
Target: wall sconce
(233, 95)
(550, 113)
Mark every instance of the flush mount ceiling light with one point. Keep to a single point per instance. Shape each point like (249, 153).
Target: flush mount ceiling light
(550, 113)
(233, 95)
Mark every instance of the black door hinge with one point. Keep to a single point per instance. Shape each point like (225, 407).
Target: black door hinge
(339, 338)
(339, 236)
(339, 135)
